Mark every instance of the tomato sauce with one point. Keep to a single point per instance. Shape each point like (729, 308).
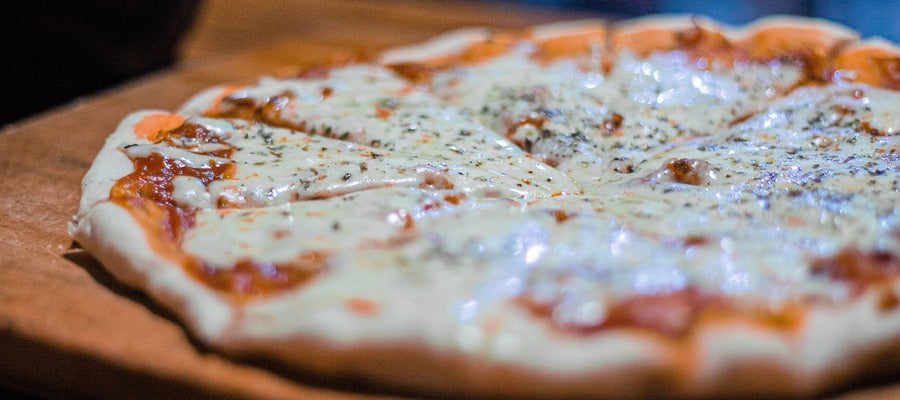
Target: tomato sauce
(268, 112)
(672, 314)
(858, 268)
(147, 194)
(249, 278)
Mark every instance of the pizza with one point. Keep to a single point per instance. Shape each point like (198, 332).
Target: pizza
(659, 207)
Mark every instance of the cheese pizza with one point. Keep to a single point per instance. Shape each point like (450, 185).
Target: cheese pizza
(660, 207)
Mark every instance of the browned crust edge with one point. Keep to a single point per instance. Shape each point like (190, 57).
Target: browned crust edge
(874, 62)
(829, 51)
(415, 368)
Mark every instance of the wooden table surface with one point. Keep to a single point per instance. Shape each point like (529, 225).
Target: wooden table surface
(67, 328)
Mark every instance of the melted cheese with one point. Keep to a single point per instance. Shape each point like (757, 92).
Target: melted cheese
(814, 172)
(670, 87)
(276, 166)
(798, 180)
(585, 121)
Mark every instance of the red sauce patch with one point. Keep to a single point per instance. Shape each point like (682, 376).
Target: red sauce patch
(164, 225)
(153, 175)
(859, 269)
(688, 171)
(673, 314)
(147, 194)
(402, 219)
(253, 278)
(867, 127)
(613, 125)
(436, 181)
(561, 215)
(536, 121)
(694, 240)
(189, 136)
(149, 188)
(382, 112)
(153, 123)
(361, 306)
(842, 109)
(268, 111)
(454, 199)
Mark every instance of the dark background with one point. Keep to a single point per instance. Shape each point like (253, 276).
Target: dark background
(54, 52)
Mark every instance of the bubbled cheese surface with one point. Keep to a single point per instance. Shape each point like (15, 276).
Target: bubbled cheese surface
(428, 199)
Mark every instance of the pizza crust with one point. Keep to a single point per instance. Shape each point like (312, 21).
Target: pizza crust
(742, 360)
(568, 29)
(201, 102)
(645, 35)
(110, 164)
(874, 62)
(440, 47)
(111, 234)
(781, 34)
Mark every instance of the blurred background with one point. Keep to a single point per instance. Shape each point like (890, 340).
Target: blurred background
(56, 52)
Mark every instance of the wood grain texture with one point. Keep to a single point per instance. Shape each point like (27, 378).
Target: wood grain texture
(226, 25)
(67, 328)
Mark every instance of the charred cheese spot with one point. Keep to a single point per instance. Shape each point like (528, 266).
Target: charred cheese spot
(561, 215)
(414, 72)
(436, 181)
(686, 171)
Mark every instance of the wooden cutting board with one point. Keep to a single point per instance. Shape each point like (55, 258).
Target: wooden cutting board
(67, 328)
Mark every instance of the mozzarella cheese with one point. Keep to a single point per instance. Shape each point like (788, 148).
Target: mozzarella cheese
(659, 177)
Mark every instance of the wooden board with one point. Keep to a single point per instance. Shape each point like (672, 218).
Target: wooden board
(67, 328)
